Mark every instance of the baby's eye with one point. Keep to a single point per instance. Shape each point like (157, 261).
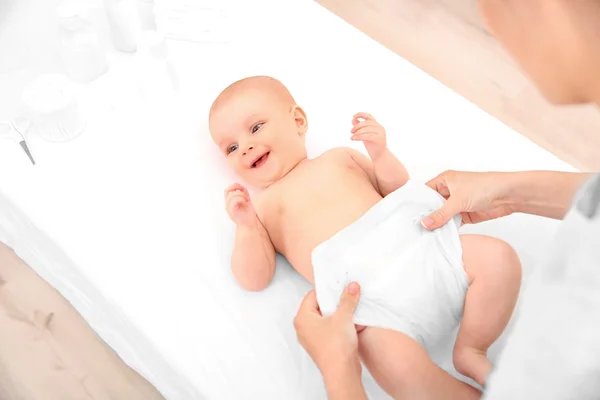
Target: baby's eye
(257, 127)
(231, 148)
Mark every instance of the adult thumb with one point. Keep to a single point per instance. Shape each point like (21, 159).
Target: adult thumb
(349, 301)
(439, 218)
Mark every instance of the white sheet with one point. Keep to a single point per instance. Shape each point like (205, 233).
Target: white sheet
(127, 221)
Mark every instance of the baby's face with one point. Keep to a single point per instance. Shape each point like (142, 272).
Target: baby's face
(262, 138)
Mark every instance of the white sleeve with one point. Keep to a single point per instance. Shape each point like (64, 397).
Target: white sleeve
(553, 351)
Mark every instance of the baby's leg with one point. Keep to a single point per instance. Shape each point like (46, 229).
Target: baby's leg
(403, 369)
(494, 273)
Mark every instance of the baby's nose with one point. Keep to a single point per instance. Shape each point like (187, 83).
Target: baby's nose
(248, 150)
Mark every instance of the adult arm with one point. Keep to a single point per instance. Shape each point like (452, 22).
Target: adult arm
(332, 343)
(344, 384)
(544, 193)
(482, 196)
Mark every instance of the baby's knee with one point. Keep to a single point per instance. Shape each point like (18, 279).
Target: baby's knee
(490, 257)
(509, 263)
(462, 358)
(473, 363)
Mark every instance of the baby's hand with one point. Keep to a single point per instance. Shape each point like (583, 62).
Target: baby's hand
(239, 207)
(371, 133)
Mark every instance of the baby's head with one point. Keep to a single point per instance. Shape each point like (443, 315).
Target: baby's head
(260, 129)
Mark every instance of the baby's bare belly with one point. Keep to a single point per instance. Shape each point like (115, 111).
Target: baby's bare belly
(305, 232)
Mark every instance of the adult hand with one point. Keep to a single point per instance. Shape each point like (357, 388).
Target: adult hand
(332, 342)
(476, 196)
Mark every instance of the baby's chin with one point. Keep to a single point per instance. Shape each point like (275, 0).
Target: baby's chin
(260, 183)
(264, 176)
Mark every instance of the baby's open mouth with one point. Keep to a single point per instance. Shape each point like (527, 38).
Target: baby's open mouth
(261, 160)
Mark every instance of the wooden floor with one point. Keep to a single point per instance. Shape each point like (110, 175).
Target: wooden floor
(49, 352)
(448, 40)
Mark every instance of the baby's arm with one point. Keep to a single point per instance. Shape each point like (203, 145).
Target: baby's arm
(387, 173)
(390, 172)
(253, 259)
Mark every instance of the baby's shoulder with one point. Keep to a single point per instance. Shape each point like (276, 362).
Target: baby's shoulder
(260, 199)
(266, 201)
(336, 154)
(339, 151)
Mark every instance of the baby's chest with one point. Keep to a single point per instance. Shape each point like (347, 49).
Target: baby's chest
(310, 210)
(320, 190)
(300, 210)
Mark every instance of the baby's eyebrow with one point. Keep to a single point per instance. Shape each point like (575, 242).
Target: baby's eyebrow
(252, 118)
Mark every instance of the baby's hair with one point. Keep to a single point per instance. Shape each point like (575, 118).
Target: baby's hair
(264, 82)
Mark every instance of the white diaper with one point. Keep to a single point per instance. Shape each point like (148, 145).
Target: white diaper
(412, 280)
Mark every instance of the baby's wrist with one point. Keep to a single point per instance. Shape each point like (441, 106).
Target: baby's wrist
(250, 224)
(380, 156)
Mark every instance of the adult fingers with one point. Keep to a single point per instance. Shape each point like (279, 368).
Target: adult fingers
(309, 304)
(348, 302)
(440, 183)
(441, 216)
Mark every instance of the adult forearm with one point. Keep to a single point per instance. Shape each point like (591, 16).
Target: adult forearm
(389, 172)
(345, 385)
(545, 193)
(253, 259)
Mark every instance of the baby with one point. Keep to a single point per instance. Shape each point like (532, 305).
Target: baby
(343, 217)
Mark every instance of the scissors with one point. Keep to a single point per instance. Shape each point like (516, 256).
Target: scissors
(16, 130)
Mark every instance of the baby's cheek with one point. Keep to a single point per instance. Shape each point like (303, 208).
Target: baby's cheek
(235, 165)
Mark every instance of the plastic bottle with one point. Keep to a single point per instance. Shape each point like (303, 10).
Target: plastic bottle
(147, 18)
(157, 77)
(80, 49)
(124, 22)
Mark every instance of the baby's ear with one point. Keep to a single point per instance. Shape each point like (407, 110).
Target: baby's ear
(301, 120)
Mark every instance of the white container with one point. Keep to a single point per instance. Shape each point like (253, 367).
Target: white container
(124, 22)
(50, 103)
(80, 49)
(157, 78)
(147, 17)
